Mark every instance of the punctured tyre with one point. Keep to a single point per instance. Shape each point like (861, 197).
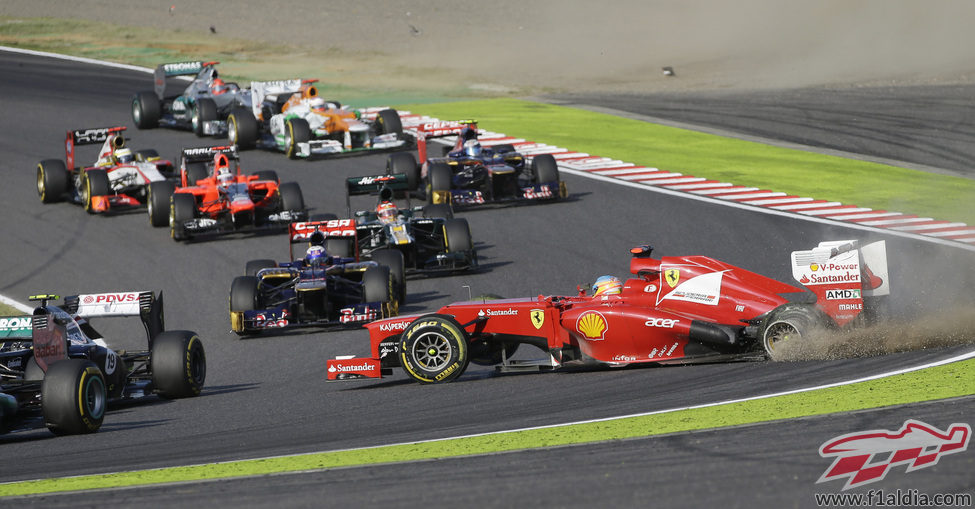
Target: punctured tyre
(52, 180)
(146, 110)
(178, 364)
(789, 322)
(440, 178)
(95, 184)
(296, 131)
(268, 175)
(203, 110)
(242, 128)
(434, 349)
(388, 122)
(160, 194)
(291, 197)
(393, 259)
(254, 266)
(73, 397)
(404, 162)
(182, 208)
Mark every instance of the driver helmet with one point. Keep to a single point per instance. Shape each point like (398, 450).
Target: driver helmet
(221, 166)
(607, 285)
(472, 148)
(387, 211)
(123, 155)
(315, 255)
(218, 86)
(316, 103)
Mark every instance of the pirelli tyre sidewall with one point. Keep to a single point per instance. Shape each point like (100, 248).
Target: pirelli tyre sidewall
(434, 349)
(786, 329)
(74, 397)
(178, 364)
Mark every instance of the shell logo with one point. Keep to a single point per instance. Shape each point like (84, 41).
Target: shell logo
(814, 266)
(592, 325)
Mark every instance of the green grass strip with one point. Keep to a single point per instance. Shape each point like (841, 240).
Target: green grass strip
(947, 381)
(807, 174)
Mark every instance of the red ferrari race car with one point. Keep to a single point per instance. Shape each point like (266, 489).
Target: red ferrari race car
(676, 310)
(213, 196)
(119, 178)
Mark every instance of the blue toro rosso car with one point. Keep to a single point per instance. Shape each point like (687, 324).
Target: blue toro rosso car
(469, 174)
(316, 290)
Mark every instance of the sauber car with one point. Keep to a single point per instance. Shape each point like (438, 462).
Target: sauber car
(470, 174)
(119, 178)
(676, 310)
(316, 290)
(71, 399)
(213, 196)
(290, 117)
(173, 365)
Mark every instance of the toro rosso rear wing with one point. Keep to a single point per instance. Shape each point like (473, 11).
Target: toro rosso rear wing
(315, 232)
(164, 71)
(92, 136)
(842, 274)
(465, 129)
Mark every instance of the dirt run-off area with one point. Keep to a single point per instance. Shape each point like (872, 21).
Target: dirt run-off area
(531, 47)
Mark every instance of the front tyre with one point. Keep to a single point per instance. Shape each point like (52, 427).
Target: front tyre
(434, 349)
(204, 110)
(296, 132)
(95, 184)
(160, 194)
(178, 363)
(242, 128)
(182, 208)
(74, 397)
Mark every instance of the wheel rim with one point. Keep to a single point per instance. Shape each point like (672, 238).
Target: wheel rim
(86, 193)
(136, 113)
(780, 332)
(149, 206)
(94, 397)
(196, 119)
(232, 130)
(40, 182)
(197, 367)
(432, 351)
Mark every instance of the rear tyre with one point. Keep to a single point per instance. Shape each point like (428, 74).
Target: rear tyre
(434, 349)
(377, 285)
(440, 178)
(295, 132)
(404, 162)
(242, 128)
(268, 175)
(439, 210)
(146, 110)
(783, 329)
(182, 208)
(178, 363)
(95, 184)
(254, 266)
(203, 111)
(397, 270)
(74, 397)
(388, 122)
(160, 194)
(291, 197)
(52, 180)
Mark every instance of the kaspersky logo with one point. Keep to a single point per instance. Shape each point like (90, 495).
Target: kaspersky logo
(867, 456)
(592, 325)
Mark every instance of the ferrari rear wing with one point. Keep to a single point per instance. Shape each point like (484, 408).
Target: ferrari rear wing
(76, 137)
(164, 71)
(467, 129)
(841, 274)
(15, 327)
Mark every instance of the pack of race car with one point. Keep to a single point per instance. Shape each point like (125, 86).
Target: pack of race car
(676, 310)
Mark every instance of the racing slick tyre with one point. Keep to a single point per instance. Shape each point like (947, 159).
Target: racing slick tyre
(295, 132)
(397, 270)
(73, 397)
(341, 247)
(434, 349)
(160, 193)
(204, 110)
(146, 110)
(254, 266)
(782, 331)
(440, 178)
(178, 364)
(377, 285)
(291, 197)
(388, 122)
(268, 175)
(182, 208)
(404, 162)
(439, 210)
(457, 236)
(95, 184)
(196, 172)
(545, 169)
(242, 128)
(244, 294)
(52, 180)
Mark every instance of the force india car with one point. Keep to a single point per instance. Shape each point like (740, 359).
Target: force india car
(290, 117)
(173, 366)
(119, 178)
(215, 197)
(326, 291)
(676, 310)
(71, 399)
(202, 107)
(476, 175)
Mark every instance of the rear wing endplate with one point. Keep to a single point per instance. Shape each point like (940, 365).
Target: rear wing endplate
(76, 137)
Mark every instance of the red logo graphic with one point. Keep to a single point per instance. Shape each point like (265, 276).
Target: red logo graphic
(916, 444)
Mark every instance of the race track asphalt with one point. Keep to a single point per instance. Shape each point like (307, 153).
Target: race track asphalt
(267, 396)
